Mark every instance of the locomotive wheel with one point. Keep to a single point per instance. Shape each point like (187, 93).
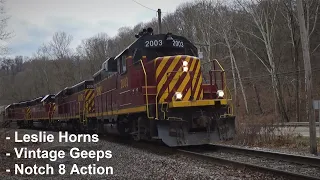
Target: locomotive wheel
(58, 125)
(123, 125)
(98, 127)
(136, 129)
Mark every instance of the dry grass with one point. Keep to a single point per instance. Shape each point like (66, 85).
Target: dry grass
(303, 142)
(259, 131)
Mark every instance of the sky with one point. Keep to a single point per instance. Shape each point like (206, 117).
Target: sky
(35, 21)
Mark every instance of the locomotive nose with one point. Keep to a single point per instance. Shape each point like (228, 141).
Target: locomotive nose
(178, 78)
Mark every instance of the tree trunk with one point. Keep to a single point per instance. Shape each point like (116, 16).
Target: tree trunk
(258, 97)
(235, 67)
(297, 85)
(253, 84)
(295, 54)
(234, 81)
(278, 96)
(308, 76)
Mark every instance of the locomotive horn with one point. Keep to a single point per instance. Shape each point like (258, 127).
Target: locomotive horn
(144, 31)
(150, 30)
(169, 37)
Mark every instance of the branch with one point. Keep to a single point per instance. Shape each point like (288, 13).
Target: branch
(250, 33)
(314, 50)
(315, 20)
(247, 48)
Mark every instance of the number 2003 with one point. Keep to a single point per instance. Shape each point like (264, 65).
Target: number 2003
(176, 43)
(153, 43)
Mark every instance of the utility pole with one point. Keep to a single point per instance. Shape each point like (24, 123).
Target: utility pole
(308, 76)
(159, 20)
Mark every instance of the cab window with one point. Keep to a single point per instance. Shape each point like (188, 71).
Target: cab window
(137, 55)
(123, 64)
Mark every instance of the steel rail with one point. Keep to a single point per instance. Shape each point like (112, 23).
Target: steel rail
(291, 175)
(309, 160)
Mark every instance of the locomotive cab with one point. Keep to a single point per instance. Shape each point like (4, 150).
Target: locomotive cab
(158, 92)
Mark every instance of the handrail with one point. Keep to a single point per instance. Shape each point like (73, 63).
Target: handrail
(225, 87)
(80, 113)
(223, 73)
(225, 84)
(218, 64)
(157, 105)
(85, 111)
(49, 111)
(146, 85)
(164, 113)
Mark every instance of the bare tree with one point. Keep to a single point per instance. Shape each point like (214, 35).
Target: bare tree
(304, 33)
(42, 67)
(95, 51)
(224, 29)
(290, 14)
(202, 30)
(60, 45)
(263, 14)
(292, 23)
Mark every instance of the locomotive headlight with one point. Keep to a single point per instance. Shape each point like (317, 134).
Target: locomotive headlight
(220, 93)
(185, 69)
(178, 96)
(185, 63)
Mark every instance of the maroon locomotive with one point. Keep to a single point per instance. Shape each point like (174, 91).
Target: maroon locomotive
(154, 89)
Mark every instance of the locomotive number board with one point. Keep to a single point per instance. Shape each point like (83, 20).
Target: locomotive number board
(163, 43)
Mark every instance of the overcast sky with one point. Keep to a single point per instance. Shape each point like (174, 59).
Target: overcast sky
(35, 21)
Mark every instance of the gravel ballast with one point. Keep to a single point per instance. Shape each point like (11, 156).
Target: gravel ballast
(269, 163)
(128, 162)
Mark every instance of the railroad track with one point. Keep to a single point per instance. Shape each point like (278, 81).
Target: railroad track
(286, 165)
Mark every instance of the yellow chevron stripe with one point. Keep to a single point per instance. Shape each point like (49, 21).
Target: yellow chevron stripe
(174, 80)
(89, 100)
(196, 72)
(91, 103)
(187, 95)
(28, 113)
(184, 83)
(161, 65)
(197, 91)
(86, 92)
(170, 69)
(194, 82)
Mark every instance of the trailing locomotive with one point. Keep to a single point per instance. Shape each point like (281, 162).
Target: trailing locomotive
(153, 90)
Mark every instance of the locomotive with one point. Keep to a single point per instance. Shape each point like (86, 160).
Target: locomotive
(155, 89)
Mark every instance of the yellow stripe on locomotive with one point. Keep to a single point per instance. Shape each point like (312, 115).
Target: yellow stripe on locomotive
(178, 77)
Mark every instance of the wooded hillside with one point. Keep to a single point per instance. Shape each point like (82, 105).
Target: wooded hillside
(258, 43)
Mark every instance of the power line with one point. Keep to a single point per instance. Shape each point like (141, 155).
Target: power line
(164, 12)
(248, 78)
(268, 75)
(144, 6)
